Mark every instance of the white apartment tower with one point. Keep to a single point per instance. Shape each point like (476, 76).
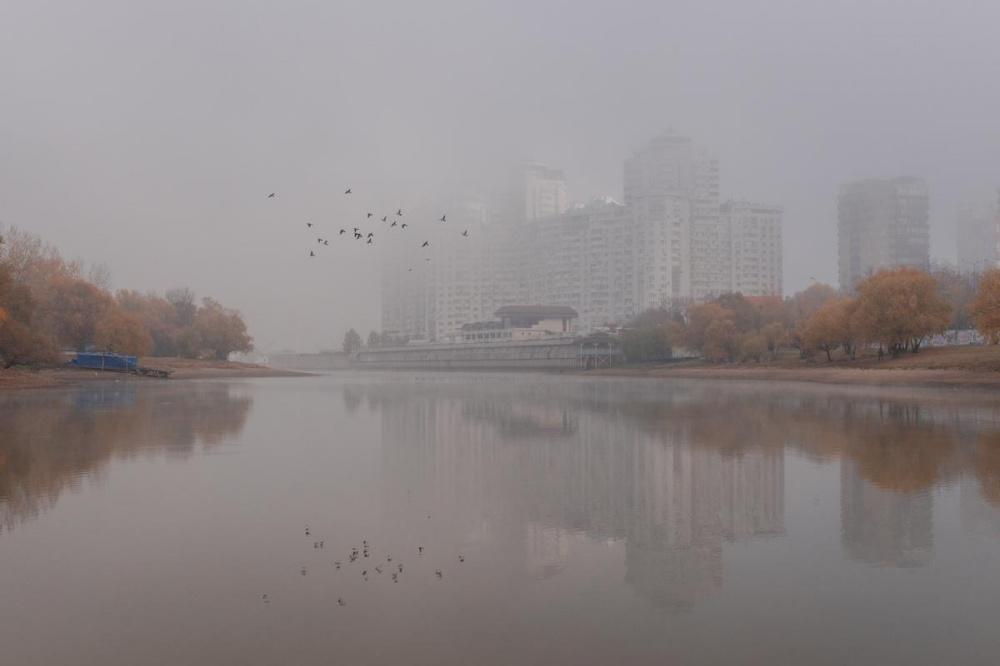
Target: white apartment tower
(753, 237)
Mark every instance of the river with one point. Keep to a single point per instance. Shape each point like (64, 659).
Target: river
(500, 519)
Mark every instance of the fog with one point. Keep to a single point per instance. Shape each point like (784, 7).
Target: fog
(147, 135)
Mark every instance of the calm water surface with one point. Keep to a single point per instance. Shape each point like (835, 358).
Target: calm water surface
(601, 522)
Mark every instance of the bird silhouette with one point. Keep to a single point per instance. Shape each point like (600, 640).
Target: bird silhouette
(409, 270)
(426, 244)
(368, 215)
(466, 233)
(265, 599)
(384, 217)
(271, 195)
(341, 602)
(443, 218)
(437, 572)
(394, 223)
(368, 242)
(311, 253)
(404, 225)
(337, 564)
(356, 230)
(326, 242)
(319, 240)
(420, 550)
(461, 558)
(307, 530)
(347, 191)
(399, 212)
(370, 234)
(343, 231)
(309, 224)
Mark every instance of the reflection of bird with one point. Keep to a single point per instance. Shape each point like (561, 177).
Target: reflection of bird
(271, 195)
(337, 564)
(437, 572)
(347, 191)
(341, 602)
(461, 558)
(466, 233)
(420, 550)
(443, 218)
(426, 243)
(265, 599)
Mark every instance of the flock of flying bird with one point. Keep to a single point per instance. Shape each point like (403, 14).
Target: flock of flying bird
(365, 553)
(369, 238)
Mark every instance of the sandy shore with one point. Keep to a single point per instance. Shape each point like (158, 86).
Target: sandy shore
(19, 378)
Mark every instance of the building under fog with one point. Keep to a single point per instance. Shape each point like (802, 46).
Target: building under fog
(882, 224)
(977, 240)
(670, 243)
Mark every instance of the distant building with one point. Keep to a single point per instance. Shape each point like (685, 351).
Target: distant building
(882, 224)
(752, 236)
(977, 238)
(515, 323)
(670, 243)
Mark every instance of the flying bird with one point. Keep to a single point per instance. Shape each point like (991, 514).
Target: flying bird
(325, 242)
(309, 224)
(370, 234)
(443, 218)
(347, 191)
(311, 253)
(368, 215)
(394, 223)
(271, 195)
(343, 231)
(369, 242)
(384, 217)
(399, 212)
(466, 233)
(426, 243)
(403, 226)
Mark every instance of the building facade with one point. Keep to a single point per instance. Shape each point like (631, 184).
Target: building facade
(670, 243)
(978, 238)
(882, 224)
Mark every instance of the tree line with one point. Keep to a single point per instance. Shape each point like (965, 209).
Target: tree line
(891, 312)
(48, 304)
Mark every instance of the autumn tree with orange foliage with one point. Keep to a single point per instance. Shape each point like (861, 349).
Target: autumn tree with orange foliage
(830, 327)
(898, 308)
(123, 333)
(986, 306)
(221, 331)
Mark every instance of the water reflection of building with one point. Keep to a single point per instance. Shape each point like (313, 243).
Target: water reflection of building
(539, 465)
(881, 526)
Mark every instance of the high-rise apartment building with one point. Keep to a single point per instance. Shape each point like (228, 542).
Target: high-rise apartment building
(978, 238)
(882, 224)
(752, 236)
(670, 243)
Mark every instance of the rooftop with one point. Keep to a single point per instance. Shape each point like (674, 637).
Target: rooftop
(542, 311)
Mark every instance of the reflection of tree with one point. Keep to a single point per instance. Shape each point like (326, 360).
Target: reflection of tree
(50, 441)
(675, 471)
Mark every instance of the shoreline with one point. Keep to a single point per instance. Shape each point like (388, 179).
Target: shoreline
(20, 379)
(837, 376)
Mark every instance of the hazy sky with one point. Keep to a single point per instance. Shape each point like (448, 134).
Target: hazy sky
(146, 134)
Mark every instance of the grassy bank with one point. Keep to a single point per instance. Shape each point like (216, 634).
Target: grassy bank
(180, 368)
(956, 367)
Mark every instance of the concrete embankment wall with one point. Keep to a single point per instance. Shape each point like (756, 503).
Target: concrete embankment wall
(321, 361)
(541, 355)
